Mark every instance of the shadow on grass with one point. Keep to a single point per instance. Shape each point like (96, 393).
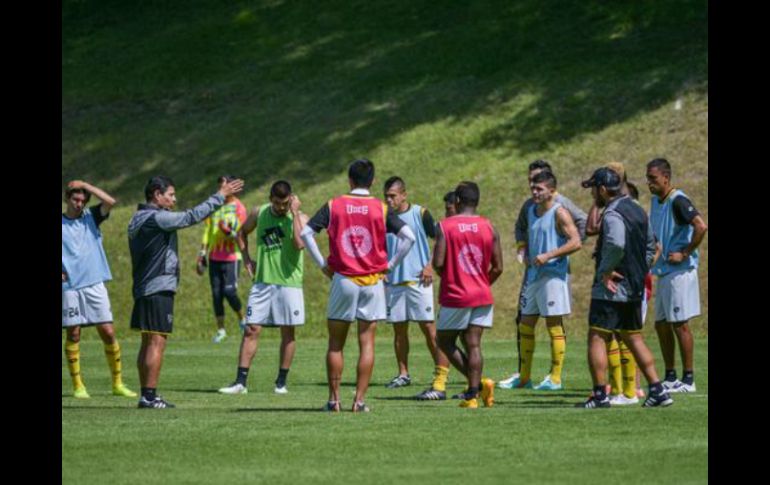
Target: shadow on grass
(202, 391)
(280, 410)
(127, 406)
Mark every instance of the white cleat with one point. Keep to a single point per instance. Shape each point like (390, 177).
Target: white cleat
(281, 390)
(621, 400)
(219, 336)
(234, 389)
(681, 387)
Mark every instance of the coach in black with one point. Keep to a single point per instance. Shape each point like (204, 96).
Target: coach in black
(155, 267)
(624, 251)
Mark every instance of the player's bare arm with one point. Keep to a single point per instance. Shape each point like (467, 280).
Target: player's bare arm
(699, 231)
(107, 200)
(497, 258)
(439, 252)
(298, 222)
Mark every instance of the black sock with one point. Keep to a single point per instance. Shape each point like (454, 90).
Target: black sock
(656, 388)
(280, 381)
(670, 375)
(600, 394)
(688, 377)
(148, 393)
(242, 375)
(472, 392)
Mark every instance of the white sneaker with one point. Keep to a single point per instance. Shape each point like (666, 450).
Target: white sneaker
(622, 400)
(681, 387)
(219, 336)
(508, 383)
(668, 385)
(234, 389)
(281, 390)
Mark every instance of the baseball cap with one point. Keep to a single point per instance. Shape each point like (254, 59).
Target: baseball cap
(603, 177)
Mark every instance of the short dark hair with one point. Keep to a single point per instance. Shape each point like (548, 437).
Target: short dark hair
(545, 176)
(467, 194)
(225, 178)
(68, 193)
(450, 197)
(280, 189)
(361, 172)
(540, 165)
(394, 180)
(632, 190)
(662, 165)
(158, 182)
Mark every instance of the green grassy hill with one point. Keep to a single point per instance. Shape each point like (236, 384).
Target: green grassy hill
(435, 92)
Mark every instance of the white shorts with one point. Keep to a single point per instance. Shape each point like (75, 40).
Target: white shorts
(678, 296)
(86, 306)
(409, 302)
(275, 305)
(460, 318)
(547, 296)
(349, 302)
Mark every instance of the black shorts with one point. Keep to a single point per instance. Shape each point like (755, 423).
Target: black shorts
(616, 316)
(154, 313)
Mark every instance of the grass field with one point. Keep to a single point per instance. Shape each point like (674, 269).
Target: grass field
(434, 91)
(527, 437)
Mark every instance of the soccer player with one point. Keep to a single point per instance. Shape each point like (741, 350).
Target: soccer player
(679, 230)
(219, 246)
(626, 247)
(356, 224)
(276, 298)
(84, 269)
(152, 240)
(409, 290)
(468, 258)
(551, 237)
(578, 217)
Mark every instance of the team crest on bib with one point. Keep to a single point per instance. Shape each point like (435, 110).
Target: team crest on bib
(469, 258)
(356, 241)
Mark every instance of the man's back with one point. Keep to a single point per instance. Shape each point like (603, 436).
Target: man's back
(469, 247)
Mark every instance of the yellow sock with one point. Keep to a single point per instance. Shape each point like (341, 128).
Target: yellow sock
(72, 351)
(613, 359)
(558, 346)
(439, 378)
(527, 351)
(628, 364)
(112, 352)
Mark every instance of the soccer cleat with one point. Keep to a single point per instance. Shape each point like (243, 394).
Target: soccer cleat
(360, 407)
(621, 400)
(281, 390)
(548, 385)
(122, 390)
(515, 383)
(670, 384)
(80, 393)
(234, 388)
(471, 403)
(431, 394)
(488, 392)
(157, 403)
(332, 406)
(508, 382)
(593, 403)
(654, 400)
(399, 381)
(460, 395)
(219, 336)
(681, 387)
